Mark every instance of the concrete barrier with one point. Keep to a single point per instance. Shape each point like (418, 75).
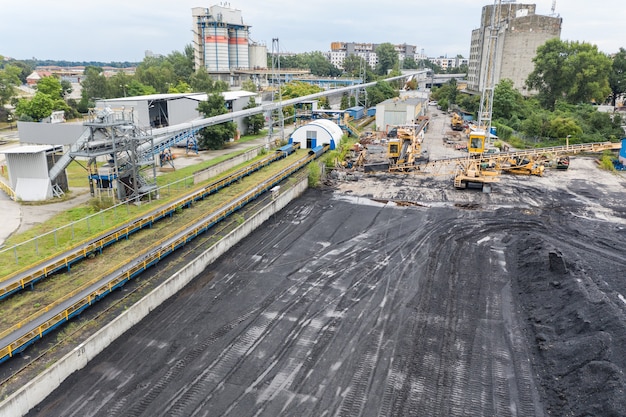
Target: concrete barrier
(217, 169)
(31, 394)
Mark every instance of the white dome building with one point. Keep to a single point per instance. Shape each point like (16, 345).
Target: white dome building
(317, 133)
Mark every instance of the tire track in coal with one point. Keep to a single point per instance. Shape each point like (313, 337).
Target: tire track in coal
(346, 296)
(180, 365)
(357, 392)
(320, 311)
(413, 396)
(233, 366)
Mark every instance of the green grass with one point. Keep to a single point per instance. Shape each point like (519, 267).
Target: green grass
(75, 226)
(26, 303)
(606, 161)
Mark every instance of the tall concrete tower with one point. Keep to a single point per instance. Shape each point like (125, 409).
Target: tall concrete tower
(521, 33)
(220, 40)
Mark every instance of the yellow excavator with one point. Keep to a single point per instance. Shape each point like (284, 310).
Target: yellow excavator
(456, 122)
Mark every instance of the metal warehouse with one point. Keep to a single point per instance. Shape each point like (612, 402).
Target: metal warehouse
(317, 133)
(399, 111)
(162, 110)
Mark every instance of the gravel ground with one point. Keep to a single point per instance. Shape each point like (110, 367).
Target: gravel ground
(392, 296)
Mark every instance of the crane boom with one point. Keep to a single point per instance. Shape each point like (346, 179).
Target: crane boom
(488, 84)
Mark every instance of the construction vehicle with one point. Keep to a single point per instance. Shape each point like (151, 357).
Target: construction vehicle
(475, 173)
(521, 165)
(405, 150)
(562, 162)
(476, 142)
(456, 122)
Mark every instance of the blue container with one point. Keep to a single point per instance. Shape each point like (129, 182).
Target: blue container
(356, 112)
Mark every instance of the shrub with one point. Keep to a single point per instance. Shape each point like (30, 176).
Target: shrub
(315, 174)
(606, 161)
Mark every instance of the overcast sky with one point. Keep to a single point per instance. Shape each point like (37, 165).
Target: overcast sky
(116, 30)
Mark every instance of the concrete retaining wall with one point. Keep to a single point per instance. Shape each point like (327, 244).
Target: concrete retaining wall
(217, 169)
(20, 402)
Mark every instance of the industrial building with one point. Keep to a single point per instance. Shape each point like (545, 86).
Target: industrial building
(162, 110)
(519, 33)
(319, 132)
(399, 111)
(222, 45)
(28, 168)
(339, 51)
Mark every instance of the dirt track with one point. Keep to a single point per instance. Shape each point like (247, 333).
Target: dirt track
(463, 304)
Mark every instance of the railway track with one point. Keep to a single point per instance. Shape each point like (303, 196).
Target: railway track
(33, 328)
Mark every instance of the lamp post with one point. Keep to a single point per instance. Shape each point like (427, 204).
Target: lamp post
(10, 120)
(567, 142)
(123, 86)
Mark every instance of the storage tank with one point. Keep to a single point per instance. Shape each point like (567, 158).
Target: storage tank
(216, 48)
(238, 48)
(257, 55)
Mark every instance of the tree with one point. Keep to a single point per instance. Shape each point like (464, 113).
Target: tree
(201, 82)
(157, 73)
(37, 108)
(561, 127)
(66, 88)
(506, 101)
(452, 91)
(255, 122)
(50, 86)
(380, 92)
(387, 58)
(9, 78)
(409, 63)
(575, 71)
(617, 77)
(319, 65)
(94, 84)
(181, 64)
(352, 65)
(214, 137)
(249, 85)
(296, 89)
(345, 101)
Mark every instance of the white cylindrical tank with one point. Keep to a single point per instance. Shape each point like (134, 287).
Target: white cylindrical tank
(238, 48)
(257, 56)
(216, 48)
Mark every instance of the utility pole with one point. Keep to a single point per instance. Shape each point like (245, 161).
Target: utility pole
(276, 83)
(361, 93)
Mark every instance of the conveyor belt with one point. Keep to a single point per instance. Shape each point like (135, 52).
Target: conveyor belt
(30, 275)
(27, 332)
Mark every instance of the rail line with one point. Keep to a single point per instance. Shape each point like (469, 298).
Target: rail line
(30, 275)
(33, 328)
